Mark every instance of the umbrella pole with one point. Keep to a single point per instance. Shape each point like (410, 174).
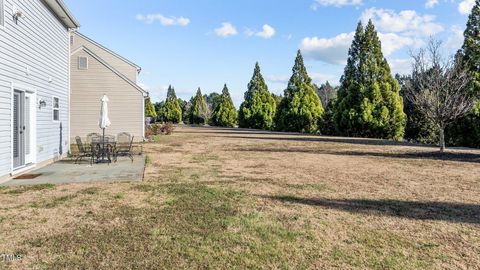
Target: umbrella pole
(103, 145)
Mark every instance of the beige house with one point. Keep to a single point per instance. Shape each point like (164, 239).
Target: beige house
(95, 71)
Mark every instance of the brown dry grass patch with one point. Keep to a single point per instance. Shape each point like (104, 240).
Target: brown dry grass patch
(231, 198)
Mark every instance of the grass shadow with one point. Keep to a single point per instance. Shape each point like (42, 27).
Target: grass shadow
(317, 138)
(441, 211)
(432, 155)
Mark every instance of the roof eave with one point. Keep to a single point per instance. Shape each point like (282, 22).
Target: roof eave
(60, 9)
(136, 86)
(139, 69)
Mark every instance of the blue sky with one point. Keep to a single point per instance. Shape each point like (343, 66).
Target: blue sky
(206, 43)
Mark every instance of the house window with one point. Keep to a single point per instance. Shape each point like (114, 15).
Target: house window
(83, 62)
(56, 109)
(2, 13)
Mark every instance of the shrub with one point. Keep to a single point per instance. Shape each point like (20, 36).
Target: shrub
(167, 128)
(153, 130)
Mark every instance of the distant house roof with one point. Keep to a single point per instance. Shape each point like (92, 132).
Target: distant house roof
(139, 69)
(118, 73)
(61, 10)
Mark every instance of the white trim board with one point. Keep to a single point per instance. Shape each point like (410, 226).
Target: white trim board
(27, 89)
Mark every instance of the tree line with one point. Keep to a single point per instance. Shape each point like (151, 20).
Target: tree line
(436, 103)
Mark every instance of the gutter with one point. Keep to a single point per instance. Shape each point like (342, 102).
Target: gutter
(68, 13)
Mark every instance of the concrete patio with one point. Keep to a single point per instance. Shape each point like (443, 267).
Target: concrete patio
(66, 172)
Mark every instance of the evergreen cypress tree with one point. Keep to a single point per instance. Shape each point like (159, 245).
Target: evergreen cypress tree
(470, 51)
(225, 114)
(368, 102)
(278, 99)
(159, 108)
(172, 112)
(258, 109)
(199, 110)
(300, 108)
(150, 109)
(348, 97)
(466, 130)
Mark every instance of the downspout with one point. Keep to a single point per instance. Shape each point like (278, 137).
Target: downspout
(70, 32)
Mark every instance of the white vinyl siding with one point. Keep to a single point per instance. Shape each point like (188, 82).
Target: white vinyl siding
(40, 44)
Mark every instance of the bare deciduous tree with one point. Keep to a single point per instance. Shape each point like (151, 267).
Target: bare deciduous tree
(439, 87)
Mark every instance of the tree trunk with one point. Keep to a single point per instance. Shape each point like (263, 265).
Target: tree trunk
(442, 139)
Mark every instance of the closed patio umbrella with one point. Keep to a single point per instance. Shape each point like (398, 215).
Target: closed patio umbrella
(104, 121)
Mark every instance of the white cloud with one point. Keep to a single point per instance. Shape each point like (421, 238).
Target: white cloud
(401, 66)
(431, 3)
(227, 29)
(455, 41)
(278, 78)
(144, 86)
(249, 32)
(396, 31)
(165, 21)
(330, 50)
(465, 7)
(392, 42)
(267, 32)
(335, 50)
(156, 94)
(406, 21)
(335, 3)
(320, 78)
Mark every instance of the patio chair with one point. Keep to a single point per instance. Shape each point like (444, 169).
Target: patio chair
(82, 152)
(91, 136)
(124, 137)
(124, 145)
(109, 138)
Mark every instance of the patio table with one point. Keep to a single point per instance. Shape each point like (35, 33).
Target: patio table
(103, 149)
